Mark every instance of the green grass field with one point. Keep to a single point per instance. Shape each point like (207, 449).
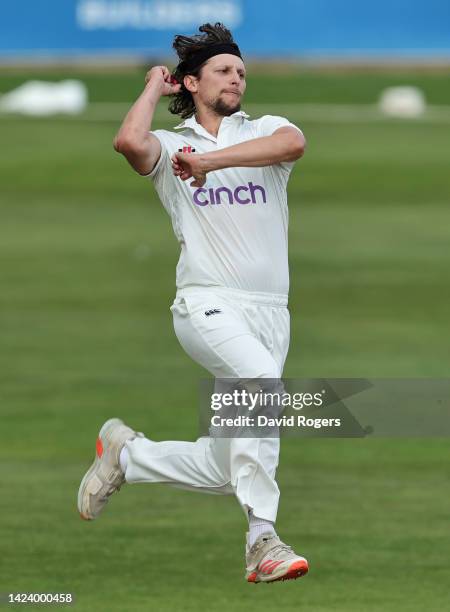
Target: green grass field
(88, 266)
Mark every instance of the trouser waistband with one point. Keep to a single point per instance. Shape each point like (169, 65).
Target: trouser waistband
(253, 297)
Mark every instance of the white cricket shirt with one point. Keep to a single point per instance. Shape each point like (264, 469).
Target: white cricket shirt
(233, 231)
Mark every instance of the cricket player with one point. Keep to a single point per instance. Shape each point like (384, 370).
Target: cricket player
(222, 177)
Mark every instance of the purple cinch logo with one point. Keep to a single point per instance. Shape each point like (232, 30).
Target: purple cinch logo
(242, 194)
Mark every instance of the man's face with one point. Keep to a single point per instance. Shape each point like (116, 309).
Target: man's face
(221, 84)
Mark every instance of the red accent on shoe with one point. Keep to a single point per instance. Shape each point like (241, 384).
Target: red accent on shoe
(99, 447)
(268, 569)
(252, 577)
(296, 570)
(264, 563)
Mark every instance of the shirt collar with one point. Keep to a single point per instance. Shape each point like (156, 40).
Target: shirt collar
(192, 123)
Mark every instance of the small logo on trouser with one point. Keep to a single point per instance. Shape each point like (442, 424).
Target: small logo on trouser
(208, 313)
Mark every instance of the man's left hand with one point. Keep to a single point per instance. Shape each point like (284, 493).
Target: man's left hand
(187, 165)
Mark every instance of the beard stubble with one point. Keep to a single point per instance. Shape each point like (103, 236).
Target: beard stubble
(221, 108)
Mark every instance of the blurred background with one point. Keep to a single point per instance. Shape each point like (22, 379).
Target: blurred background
(88, 274)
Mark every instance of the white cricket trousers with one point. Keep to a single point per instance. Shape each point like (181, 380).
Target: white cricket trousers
(248, 338)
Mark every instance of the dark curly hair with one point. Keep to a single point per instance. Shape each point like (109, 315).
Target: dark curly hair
(182, 103)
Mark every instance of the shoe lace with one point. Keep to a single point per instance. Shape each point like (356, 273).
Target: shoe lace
(275, 551)
(278, 549)
(112, 489)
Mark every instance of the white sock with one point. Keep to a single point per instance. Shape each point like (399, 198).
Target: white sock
(257, 526)
(123, 458)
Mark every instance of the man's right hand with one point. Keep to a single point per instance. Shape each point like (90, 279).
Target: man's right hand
(158, 79)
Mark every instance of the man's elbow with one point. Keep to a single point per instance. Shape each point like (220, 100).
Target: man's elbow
(117, 144)
(122, 144)
(297, 147)
(128, 146)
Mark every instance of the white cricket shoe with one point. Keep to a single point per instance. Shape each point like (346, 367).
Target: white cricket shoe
(105, 476)
(269, 560)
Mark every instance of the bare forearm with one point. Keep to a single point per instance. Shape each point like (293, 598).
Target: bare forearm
(259, 152)
(137, 123)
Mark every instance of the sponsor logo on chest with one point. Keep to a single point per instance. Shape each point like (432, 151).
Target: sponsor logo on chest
(242, 194)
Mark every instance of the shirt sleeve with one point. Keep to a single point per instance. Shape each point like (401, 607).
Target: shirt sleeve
(268, 124)
(163, 158)
(162, 175)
